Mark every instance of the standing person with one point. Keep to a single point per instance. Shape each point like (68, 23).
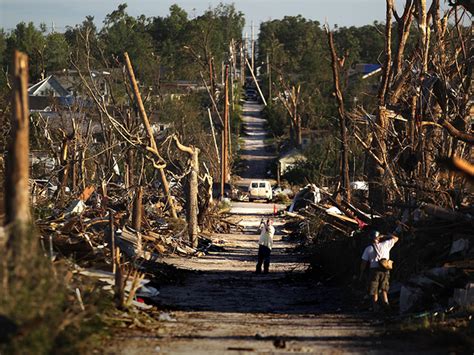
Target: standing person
(379, 276)
(265, 244)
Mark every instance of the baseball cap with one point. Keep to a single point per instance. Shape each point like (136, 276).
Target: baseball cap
(374, 234)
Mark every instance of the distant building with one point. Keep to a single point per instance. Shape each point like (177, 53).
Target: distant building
(365, 70)
(74, 83)
(289, 159)
(47, 92)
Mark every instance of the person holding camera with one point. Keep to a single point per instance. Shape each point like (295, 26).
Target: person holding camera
(265, 244)
(377, 257)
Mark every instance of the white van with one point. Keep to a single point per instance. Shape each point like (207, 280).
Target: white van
(260, 190)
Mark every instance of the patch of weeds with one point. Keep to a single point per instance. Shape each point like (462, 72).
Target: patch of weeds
(39, 309)
(89, 329)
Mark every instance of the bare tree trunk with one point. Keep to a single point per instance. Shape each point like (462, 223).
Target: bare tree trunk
(336, 64)
(119, 293)
(20, 241)
(137, 209)
(17, 195)
(376, 171)
(423, 25)
(403, 30)
(154, 148)
(64, 172)
(192, 212)
(205, 198)
(386, 67)
(291, 105)
(298, 133)
(112, 239)
(192, 198)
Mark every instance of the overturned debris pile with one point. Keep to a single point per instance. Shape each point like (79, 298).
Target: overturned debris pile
(434, 260)
(123, 251)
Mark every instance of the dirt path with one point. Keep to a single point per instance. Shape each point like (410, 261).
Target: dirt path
(254, 150)
(223, 307)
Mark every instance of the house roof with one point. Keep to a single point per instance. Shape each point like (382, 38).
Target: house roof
(292, 154)
(49, 86)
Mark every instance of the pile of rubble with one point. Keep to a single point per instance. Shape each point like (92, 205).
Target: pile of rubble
(91, 229)
(434, 260)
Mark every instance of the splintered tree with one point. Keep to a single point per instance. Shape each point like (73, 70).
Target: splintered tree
(429, 90)
(17, 192)
(290, 99)
(337, 64)
(160, 165)
(192, 196)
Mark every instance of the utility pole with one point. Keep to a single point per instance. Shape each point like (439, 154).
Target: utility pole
(227, 113)
(256, 83)
(253, 50)
(233, 73)
(242, 60)
(223, 172)
(269, 73)
(225, 135)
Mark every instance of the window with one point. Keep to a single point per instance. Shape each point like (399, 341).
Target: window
(254, 185)
(262, 184)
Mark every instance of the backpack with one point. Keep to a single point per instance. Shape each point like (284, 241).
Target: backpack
(384, 264)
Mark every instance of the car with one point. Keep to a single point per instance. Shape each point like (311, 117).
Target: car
(260, 190)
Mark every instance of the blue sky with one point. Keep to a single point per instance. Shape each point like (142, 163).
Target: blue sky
(64, 13)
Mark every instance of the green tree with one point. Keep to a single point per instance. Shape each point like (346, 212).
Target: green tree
(3, 47)
(124, 33)
(84, 44)
(169, 35)
(30, 40)
(186, 46)
(56, 53)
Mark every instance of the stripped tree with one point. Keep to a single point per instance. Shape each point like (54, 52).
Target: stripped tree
(192, 196)
(337, 64)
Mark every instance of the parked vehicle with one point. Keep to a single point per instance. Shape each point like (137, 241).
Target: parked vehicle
(260, 190)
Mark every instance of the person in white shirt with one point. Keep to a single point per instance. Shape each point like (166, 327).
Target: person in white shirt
(378, 277)
(265, 244)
